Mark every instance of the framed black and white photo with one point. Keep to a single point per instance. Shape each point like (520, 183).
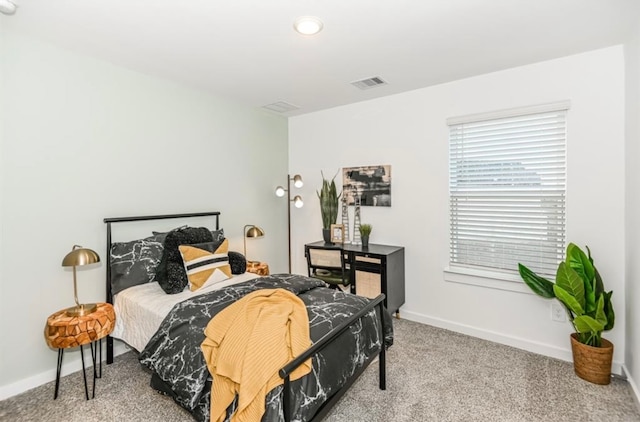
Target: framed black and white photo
(372, 184)
(337, 233)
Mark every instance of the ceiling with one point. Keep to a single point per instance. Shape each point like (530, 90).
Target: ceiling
(247, 50)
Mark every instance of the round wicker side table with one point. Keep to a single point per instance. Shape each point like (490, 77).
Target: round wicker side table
(64, 332)
(259, 268)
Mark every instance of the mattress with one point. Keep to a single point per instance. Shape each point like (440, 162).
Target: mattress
(141, 309)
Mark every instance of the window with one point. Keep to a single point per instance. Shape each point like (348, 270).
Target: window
(507, 184)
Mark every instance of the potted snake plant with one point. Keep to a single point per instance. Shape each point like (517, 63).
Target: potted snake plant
(579, 288)
(328, 196)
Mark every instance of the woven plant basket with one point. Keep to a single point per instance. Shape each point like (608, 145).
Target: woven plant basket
(590, 363)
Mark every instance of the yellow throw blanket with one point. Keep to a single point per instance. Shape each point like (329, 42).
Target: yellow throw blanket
(247, 343)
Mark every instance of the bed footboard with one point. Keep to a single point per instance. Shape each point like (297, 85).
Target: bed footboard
(286, 371)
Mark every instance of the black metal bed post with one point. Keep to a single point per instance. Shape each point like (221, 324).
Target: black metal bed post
(383, 351)
(286, 399)
(109, 294)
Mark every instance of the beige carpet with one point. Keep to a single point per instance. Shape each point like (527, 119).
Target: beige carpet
(432, 375)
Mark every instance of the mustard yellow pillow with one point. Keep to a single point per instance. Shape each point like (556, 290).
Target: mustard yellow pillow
(204, 267)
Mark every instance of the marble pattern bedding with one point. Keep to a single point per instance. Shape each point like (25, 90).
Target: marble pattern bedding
(141, 309)
(173, 354)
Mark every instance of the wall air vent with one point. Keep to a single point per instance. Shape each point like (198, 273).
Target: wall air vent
(369, 83)
(281, 107)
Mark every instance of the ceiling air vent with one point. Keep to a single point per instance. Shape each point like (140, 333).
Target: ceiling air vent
(369, 83)
(281, 107)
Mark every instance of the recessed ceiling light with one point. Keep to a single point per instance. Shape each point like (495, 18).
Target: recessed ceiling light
(307, 25)
(7, 7)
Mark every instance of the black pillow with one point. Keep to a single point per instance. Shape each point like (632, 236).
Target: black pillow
(238, 262)
(171, 274)
(134, 262)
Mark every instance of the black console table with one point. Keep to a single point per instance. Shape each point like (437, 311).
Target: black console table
(374, 270)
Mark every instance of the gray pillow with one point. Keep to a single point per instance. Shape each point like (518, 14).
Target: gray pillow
(134, 262)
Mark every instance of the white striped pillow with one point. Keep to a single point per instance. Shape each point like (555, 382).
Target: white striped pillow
(204, 267)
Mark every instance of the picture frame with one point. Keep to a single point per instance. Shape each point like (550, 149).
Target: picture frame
(337, 233)
(368, 186)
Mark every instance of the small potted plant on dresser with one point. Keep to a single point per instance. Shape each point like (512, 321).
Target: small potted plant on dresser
(328, 196)
(579, 288)
(365, 232)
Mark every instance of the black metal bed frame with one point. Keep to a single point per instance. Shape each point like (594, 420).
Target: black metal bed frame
(288, 369)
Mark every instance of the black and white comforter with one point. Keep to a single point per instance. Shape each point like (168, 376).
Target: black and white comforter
(174, 356)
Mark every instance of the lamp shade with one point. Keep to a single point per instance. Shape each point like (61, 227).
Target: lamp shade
(297, 181)
(80, 256)
(280, 191)
(254, 231)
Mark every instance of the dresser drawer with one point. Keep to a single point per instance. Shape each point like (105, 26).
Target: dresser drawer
(368, 263)
(370, 259)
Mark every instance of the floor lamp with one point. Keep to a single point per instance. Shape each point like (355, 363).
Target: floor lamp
(297, 201)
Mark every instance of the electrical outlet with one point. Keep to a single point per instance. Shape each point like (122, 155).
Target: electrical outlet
(558, 313)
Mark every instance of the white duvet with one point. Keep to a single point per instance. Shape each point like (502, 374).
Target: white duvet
(140, 309)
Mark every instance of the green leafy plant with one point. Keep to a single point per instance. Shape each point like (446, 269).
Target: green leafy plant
(579, 288)
(365, 230)
(328, 196)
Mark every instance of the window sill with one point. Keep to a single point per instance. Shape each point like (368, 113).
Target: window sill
(488, 279)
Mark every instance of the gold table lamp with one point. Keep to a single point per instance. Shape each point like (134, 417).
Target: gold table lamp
(79, 256)
(253, 232)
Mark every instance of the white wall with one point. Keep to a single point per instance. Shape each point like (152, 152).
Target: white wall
(83, 140)
(408, 131)
(632, 222)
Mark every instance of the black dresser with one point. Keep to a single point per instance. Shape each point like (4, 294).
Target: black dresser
(374, 270)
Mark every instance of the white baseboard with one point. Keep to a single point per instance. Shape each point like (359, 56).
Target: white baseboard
(632, 383)
(68, 367)
(517, 342)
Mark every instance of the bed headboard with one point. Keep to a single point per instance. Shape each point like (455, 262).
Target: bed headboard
(110, 221)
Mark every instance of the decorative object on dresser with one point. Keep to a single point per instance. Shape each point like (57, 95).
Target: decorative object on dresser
(371, 183)
(365, 232)
(252, 233)
(337, 233)
(64, 332)
(297, 202)
(345, 219)
(579, 288)
(77, 257)
(328, 196)
(357, 240)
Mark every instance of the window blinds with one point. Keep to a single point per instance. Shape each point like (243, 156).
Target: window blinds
(507, 186)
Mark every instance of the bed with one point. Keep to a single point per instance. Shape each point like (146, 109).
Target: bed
(348, 332)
